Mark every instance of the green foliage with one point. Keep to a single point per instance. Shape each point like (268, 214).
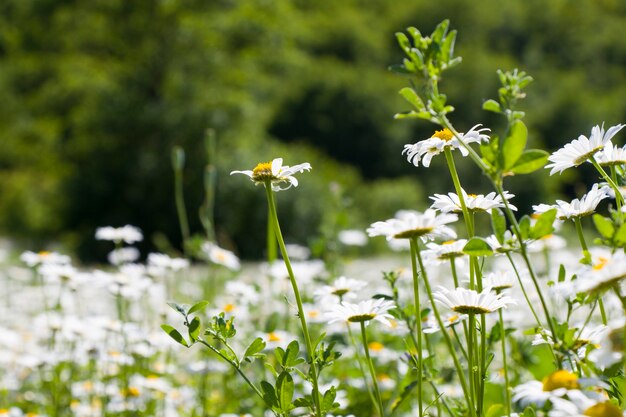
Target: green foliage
(92, 110)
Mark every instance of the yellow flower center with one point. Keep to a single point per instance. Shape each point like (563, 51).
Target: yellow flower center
(44, 253)
(376, 346)
(443, 134)
(453, 318)
(229, 308)
(132, 392)
(448, 242)
(262, 171)
(560, 379)
(407, 234)
(472, 195)
(603, 410)
(273, 337)
(602, 261)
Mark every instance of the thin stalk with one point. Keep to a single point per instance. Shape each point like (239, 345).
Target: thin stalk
(360, 363)
(471, 355)
(581, 239)
(272, 250)
(507, 394)
(305, 330)
(178, 163)
(446, 336)
(379, 401)
(619, 199)
(418, 322)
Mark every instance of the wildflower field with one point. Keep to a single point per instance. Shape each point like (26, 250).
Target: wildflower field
(476, 310)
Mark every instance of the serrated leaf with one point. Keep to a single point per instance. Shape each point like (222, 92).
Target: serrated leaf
(255, 347)
(197, 307)
(411, 96)
(284, 390)
(194, 329)
(604, 226)
(477, 246)
(174, 334)
(498, 224)
(492, 105)
(530, 161)
(514, 144)
(544, 224)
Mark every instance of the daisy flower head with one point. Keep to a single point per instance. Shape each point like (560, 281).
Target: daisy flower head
(582, 149)
(605, 273)
(275, 173)
(424, 150)
(578, 207)
(409, 224)
(128, 234)
(464, 301)
(220, 256)
(611, 155)
(449, 249)
(362, 312)
(498, 281)
(342, 287)
(451, 203)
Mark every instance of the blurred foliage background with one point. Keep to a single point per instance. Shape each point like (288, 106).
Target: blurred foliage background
(95, 94)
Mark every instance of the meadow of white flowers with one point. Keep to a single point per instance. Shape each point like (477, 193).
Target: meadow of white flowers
(503, 317)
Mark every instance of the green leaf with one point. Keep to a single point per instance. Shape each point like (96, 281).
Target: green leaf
(291, 359)
(303, 402)
(284, 389)
(498, 224)
(269, 395)
(403, 41)
(514, 144)
(197, 307)
(403, 395)
(561, 277)
(477, 246)
(440, 31)
(411, 96)
(530, 161)
(495, 410)
(524, 227)
(329, 399)
(174, 334)
(194, 329)
(492, 105)
(604, 225)
(178, 307)
(620, 236)
(255, 347)
(447, 48)
(544, 224)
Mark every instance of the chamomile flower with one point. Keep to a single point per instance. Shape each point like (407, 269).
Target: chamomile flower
(362, 312)
(464, 301)
(449, 249)
(221, 256)
(611, 155)
(577, 208)
(425, 150)
(498, 281)
(555, 385)
(408, 224)
(605, 272)
(343, 288)
(611, 345)
(582, 149)
(581, 406)
(451, 203)
(276, 173)
(128, 234)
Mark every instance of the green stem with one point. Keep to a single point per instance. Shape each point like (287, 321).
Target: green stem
(418, 322)
(619, 199)
(360, 363)
(455, 359)
(307, 338)
(581, 239)
(379, 401)
(178, 162)
(507, 394)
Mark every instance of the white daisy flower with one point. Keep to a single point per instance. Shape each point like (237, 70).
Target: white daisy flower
(363, 312)
(611, 155)
(342, 287)
(431, 325)
(499, 281)
(577, 208)
(582, 406)
(451, 203)
(580, 150)
(509, 243)
(450, 249)
(464, 301)
(352, 238)
(605, 272)
(425, 150)
(611, 343)
(44, 257)
(129, 234)
(408, 224)
(276, 173)
(537, 393)
(221, 256)
(123, 255)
